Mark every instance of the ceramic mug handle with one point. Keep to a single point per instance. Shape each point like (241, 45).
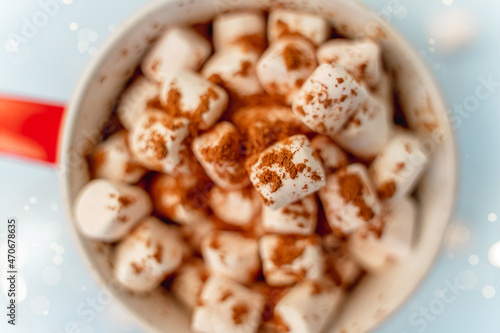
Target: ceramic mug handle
(30, 128)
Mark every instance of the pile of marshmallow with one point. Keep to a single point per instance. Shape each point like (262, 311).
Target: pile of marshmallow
(267, 238)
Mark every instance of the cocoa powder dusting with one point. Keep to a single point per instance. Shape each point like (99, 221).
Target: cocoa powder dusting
(285, 30)
(125, 200)
(158, 145)
(283, 158)
(225, 295)
(387, 190)
(174, 108)
(287, 250)
(136, 267)
(97, 161)
(294, 58)
(253, 42)
(240, 313)
(352, 190)
(271, 178)
(400, 166)
(246, 67)
(159, 253)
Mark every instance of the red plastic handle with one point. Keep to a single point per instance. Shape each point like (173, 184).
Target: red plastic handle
(30, 128)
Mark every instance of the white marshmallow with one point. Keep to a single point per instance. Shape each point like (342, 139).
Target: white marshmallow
(219, 152)
(276, 122)
(328, 98)
(180, 199)
(134, 100)
(195, 233)
(285, 66)
(111, 160)
(286, 172)
(397, 168)
(308, 306)
(178, 48)
(152, 251)
(226, 306)
(231, 254)
(282, 23)
(299, 217)
(187, 94)
(395, 226)
(368, 131)
(349, 199)
(157, 142)
(289, 259)
(106, 210)
(362, 58)
(243, 30)
(188, 282)
(236, 70)
(342, 268)
(235, 207)
(330, 155)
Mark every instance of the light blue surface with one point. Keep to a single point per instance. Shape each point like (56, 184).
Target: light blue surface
(61, 293)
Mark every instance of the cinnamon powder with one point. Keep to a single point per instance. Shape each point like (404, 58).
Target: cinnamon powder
(294, 58)
(253, 42)
(387, 190)
(159, 253)
(240, 313)
(287, 249)
(352, 190)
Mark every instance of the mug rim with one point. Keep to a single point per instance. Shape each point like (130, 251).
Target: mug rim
(73, 109)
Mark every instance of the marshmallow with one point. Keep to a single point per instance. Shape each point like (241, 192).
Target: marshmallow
(235, 207)
(299, 217)
(196, 232)
(331, 156)
(390, 236)
(286, 172)
(180, 199)
(178, 48)
(308, 306)
(349, 199)
(264, 126)
(397, 168)
(151, 252)
(235, 70)
(106, 210)
(188, 282)
(157, 142)
(362, 58)
(187, 94)
(226, 306)
(134, 100)
(243, 30)
(342, 268)
(111, 160)
(368, 131)
(285, 65)
(231, 254)
(219, 152)
(289, 259)
(328, 98)
(282, 23)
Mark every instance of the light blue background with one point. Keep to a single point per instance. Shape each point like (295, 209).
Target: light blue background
(60, 290)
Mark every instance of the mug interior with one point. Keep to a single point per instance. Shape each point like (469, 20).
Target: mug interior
(377, 296)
